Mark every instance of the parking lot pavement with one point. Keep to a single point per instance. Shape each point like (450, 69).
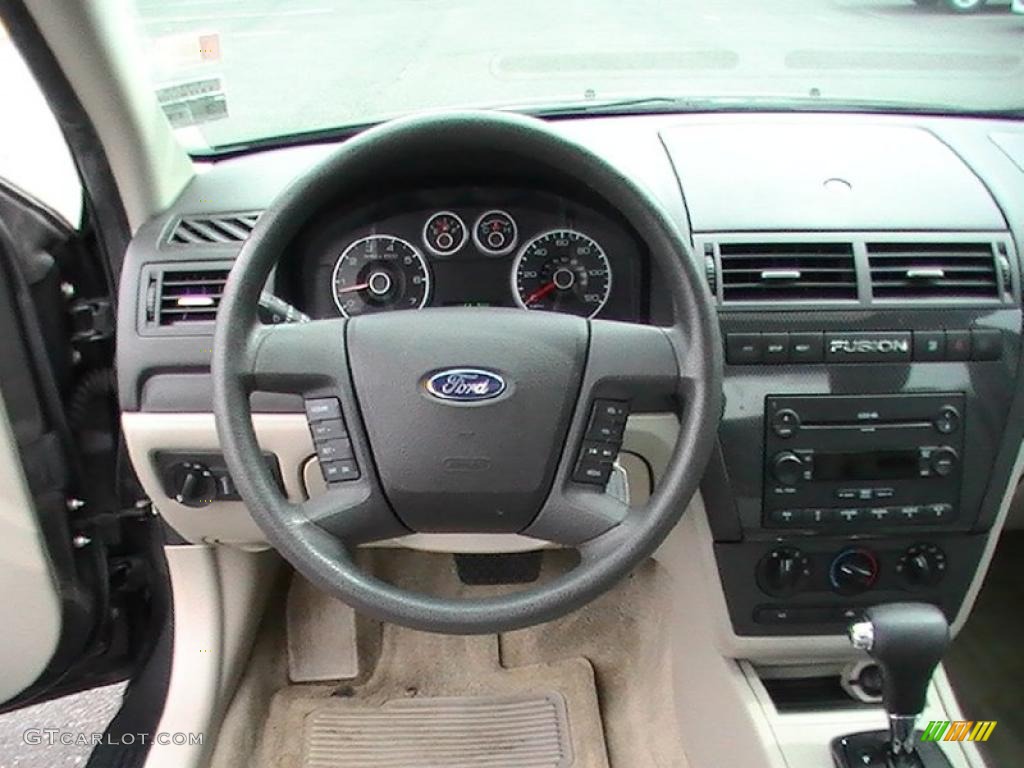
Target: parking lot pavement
(289, 66)
(85, 713)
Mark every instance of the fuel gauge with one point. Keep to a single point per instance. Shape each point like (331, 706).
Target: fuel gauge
(444, 233)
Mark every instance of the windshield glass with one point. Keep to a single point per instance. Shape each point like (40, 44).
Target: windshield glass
(228, 72)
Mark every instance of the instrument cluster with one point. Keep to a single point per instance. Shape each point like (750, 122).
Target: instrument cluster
(535, 251)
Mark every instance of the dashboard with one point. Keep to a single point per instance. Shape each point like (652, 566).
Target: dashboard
(867, 276)
(468, 246)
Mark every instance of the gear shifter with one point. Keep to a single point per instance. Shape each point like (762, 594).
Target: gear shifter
(907, 641)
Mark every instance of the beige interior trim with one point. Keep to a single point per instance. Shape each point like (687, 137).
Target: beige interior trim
(804, 737)
(220, 595)
(101, 54)
(32, 612)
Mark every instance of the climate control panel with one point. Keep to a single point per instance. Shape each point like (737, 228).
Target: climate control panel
(808, 585)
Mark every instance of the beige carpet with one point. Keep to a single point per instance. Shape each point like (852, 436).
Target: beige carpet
(609, 661)
(448, 677)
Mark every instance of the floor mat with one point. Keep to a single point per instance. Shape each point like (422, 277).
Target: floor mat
(520, 732)
(444, 702)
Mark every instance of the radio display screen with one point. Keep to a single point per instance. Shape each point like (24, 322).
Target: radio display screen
(878, 465)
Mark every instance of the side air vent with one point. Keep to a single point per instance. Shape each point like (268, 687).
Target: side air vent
(213, 229)
(765, 272)
(182, 296)
(933, 270)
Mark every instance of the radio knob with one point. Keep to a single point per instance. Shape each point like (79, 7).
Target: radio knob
(854, 571)
(787, 467)
(943, 461)
(783, 571)
(922, 565)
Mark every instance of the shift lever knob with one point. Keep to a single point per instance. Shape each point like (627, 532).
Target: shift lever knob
(908, 641)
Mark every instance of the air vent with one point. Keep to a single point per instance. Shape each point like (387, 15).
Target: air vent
(788, 272)
(933, 271)
(213, 229)
(183, 295)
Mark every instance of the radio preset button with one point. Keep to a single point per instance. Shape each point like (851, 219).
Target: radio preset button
(849, 515)
(786, 422)
(818, 516)
(909, 514)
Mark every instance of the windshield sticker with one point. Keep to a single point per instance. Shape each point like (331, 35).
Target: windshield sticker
(200, 101)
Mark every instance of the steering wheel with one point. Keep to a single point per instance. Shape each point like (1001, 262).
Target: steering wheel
(502, 455)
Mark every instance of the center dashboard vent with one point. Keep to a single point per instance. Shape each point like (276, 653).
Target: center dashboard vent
(213, 229)
(182, 296)
(926, 270)
(763, 272)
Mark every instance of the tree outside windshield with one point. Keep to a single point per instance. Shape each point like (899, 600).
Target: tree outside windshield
(231, 71)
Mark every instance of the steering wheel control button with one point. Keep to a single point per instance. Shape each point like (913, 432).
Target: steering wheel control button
(743, 348)
(602, 441)
(342, 471)
(328, 430)
(929, 345)
(322, 409)
(330, 450)
(605, 452)
(592, 472)
(607, 421)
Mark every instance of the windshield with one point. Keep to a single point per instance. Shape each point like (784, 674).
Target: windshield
(228, 72)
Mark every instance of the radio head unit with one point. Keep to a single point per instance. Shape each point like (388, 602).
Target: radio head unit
(853, 462)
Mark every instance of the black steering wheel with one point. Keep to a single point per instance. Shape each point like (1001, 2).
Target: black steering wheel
(502, 456)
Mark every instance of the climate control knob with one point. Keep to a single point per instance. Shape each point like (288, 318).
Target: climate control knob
(783, 571)
(787, 467)
(854, 571)
(922, 565)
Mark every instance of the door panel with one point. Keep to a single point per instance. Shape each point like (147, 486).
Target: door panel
(31, 605)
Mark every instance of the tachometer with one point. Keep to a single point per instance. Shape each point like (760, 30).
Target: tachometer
(562, 271)
(378, 273)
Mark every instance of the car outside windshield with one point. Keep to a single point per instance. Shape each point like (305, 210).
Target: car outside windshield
(228, 72)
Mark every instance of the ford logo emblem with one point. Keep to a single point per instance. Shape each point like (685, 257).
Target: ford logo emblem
(465, 385)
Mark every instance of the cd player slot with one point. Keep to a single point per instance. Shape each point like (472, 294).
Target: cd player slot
(868, 426)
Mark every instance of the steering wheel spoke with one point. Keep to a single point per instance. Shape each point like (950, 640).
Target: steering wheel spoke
(297, 358)
(356, 513)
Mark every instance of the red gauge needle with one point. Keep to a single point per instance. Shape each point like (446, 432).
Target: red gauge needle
(540, 293)
(350, 288)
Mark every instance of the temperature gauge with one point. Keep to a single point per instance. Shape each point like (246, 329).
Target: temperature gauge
(495, 233)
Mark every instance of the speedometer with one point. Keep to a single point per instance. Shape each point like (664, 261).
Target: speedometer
(562, 271)
(379, 273)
